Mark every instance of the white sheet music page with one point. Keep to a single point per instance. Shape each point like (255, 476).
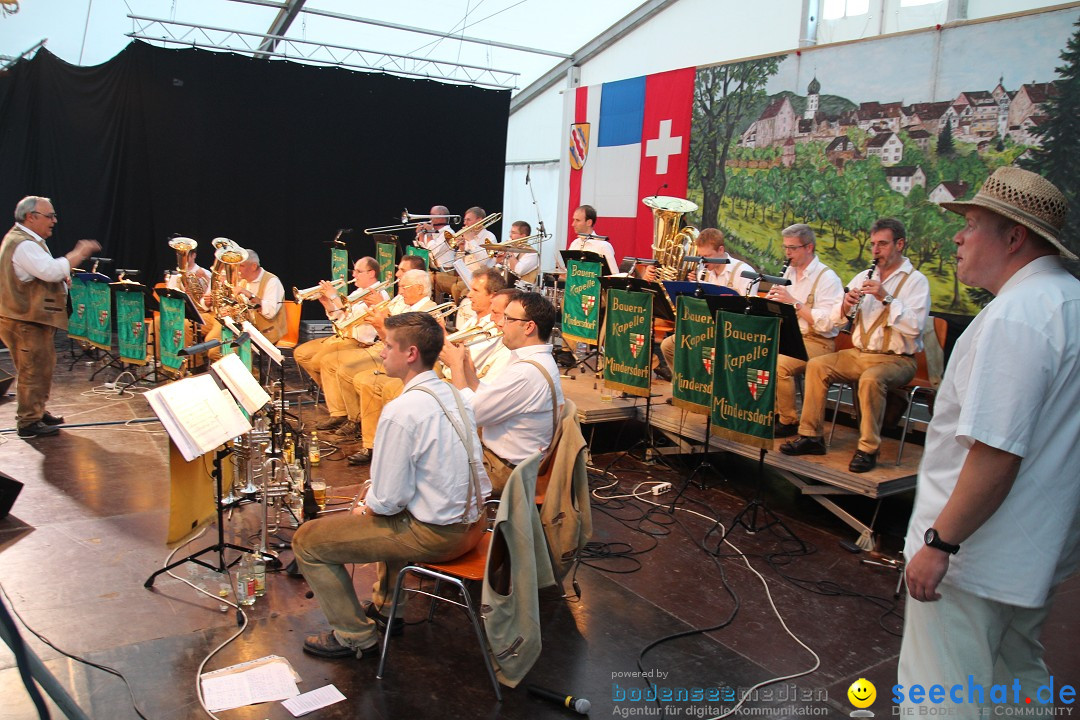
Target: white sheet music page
(197, 414)
(262, 683)
(313, 700)
(247, 390)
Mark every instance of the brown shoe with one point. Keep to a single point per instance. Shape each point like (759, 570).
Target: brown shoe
(49, 419)
(332, 423)
(326, 645)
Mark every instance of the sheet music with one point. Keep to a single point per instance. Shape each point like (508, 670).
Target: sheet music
(313, 700)
(247, 390)
(265, 346)
(197, 414)
(262, 683)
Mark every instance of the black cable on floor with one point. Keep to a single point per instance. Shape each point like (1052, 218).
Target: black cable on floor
(103, 668)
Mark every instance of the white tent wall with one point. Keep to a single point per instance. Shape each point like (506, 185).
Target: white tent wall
(692, 33)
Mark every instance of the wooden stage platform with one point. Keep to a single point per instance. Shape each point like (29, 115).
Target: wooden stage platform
(817, 477)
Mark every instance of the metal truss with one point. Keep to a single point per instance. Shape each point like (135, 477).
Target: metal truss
(252, 43)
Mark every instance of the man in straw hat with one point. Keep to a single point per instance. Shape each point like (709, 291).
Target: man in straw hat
(996, 524)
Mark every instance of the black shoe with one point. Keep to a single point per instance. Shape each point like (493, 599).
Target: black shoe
(360, 458)
(37, 429)
(332, 423)
(862, 462)
(326, 645)
(49, 419)
(804, 446)
(663, 372)
(783, 430)
(397, 627)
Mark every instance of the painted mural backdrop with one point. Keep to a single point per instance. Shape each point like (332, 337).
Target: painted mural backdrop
(837, 137)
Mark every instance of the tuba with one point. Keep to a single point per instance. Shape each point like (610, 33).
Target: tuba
(670, 244)
(194, 285)
(225, 277)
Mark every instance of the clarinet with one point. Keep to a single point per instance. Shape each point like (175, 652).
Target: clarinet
(849, 326)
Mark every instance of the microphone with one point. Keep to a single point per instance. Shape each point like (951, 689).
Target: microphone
(199, 348)
(578, 705)
(528, 169)
(774, 279)
(662, 187)
(101, 260)
(130, 273)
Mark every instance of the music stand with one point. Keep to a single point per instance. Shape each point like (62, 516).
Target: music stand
(791, 344)
(150, 304)
(592, 257)
(86, 349)
(191, 311)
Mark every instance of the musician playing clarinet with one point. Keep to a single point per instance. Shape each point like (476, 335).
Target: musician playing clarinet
(816, 293)
(888, 305)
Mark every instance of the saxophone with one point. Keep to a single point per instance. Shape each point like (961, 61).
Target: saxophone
(194, 285)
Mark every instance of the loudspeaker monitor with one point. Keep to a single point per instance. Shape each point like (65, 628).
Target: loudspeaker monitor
(9, 490)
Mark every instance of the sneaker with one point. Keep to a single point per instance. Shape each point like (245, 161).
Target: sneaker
(397, 627)
(804, 446)
(783, 430)
(49, 419)
(862, 462)
(360, 458)
(37, 429)
(332, 423)
(326, 645)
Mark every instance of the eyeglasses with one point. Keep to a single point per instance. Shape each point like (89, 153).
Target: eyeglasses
(793, 248)
(51, 216)
(507, 318)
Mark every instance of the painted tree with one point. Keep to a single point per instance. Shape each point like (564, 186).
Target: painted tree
(724, 98)
(1058, 158)
(945, 142)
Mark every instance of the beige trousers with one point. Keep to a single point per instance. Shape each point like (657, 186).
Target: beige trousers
(876, 374)
(338, 369)
(34, 354)
(374, 392)
(788, 367)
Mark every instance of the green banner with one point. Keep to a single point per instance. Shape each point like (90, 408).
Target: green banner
(131, 327)
(77, 321)
(744, 381)
(695, 353)
(581, 303)
(385, 254)
(339, 267)
(98, 314)
(171, 333)
(244, 350)
(421, 253)
(628, 342)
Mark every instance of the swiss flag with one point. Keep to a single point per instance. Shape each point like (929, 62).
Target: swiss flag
(638, 140)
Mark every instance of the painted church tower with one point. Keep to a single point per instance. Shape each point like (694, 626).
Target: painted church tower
(812, 91)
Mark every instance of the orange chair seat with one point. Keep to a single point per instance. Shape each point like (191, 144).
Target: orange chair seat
(469, 566)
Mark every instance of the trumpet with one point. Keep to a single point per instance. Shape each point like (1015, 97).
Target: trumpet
(453, 239)
(358, 295)
(443, 310)
(489, 334)
(344, 327)
(313, 292)
(471, 333)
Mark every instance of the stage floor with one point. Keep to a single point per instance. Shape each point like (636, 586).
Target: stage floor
(89, 528)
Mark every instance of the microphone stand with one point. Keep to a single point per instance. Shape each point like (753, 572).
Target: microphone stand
(540, 227)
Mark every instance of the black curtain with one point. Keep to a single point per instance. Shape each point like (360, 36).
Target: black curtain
(275, 155)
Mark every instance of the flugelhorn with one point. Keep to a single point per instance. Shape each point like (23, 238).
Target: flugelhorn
(453, 239)
(313, 292)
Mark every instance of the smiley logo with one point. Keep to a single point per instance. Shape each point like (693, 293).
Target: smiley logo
(862, 693)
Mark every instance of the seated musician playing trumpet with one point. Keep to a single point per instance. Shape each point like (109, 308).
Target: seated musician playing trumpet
(489, 298)
(350, 371)
(311, 355)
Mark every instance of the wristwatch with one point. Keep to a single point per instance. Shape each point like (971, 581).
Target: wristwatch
(932, 539)
(888, 299)
(798, 306)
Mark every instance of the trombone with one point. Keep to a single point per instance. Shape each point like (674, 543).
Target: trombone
(313, 292)
(453, 239)
(409, 221)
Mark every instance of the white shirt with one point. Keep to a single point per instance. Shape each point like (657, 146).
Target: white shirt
(828, 296)
(1013, 383)
(523, 263)
(489, 356)
(515, 408)
(435, 243)
(419, 463)
(273, 293)
(730, 275)
(602, 247)
(33, 261)
(908, 313)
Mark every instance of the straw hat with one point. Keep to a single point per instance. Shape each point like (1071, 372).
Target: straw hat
(1023, 196)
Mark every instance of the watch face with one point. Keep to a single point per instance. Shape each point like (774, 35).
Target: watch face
(930, 536)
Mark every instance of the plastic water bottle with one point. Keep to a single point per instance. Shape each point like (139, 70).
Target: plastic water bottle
(258, 571)
(245, 582)
(314, 456)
